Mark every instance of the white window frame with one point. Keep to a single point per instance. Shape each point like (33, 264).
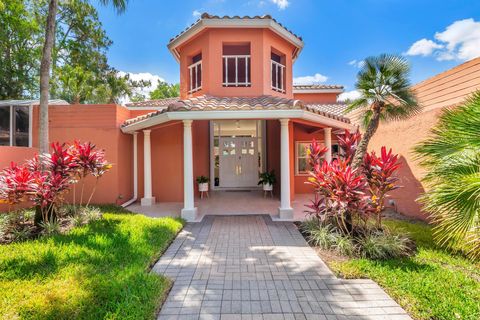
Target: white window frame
(193, 68)
(246, 83)
(297, 143)
(280, 87)
(30, 124)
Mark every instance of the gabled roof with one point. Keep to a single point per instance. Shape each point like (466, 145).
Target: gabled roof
(317, 88)
(213, 21)
(266, 102)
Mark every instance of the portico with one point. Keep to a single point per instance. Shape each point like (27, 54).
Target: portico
(231, 148)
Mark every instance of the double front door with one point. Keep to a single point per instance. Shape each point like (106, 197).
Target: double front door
(238, 162)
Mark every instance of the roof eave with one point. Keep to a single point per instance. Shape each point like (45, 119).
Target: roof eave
(235, 115)
(235, 23)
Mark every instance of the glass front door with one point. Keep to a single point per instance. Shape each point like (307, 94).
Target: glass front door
(237, 153)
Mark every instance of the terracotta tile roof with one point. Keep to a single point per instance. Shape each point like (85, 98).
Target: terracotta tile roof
(206, 16)
(337, 109)
(212, 103)
(153, 103)
(316, 86)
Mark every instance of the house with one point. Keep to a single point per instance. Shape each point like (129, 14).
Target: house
(238, 114)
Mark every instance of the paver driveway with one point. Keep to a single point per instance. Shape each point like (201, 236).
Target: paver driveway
(249, 267)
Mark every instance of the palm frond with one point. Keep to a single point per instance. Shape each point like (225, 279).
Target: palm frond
(451, 156)
(384, 80)
(119, 5)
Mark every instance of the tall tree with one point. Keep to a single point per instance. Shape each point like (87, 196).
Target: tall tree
(20, 43)
(45, 75)
(119, 5)
(165, 90)
(451, 156)
(384, 85)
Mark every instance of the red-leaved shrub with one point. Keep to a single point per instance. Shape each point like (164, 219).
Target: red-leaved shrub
(345, 195)
(45, 179)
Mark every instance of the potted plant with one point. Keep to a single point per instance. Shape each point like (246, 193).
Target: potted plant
(267, 179)
(202, 183)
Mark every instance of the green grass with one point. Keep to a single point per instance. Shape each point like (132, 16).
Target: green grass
(98, 271)
(433, 284)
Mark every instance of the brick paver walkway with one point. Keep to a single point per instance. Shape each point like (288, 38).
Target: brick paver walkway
(248, 267)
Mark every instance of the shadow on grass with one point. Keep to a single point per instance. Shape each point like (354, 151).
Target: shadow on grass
(107, 261)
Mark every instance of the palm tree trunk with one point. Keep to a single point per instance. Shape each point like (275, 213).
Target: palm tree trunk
(363, 145)
(45, 74)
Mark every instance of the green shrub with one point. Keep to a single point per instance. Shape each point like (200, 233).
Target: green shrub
(91, 213)
(383, 245)
(77, 220)
(324, 236)
(344, 245)
(309, 225)
(21, 234)
(50, 227)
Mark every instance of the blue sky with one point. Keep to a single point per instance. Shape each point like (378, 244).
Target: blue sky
(433, 35)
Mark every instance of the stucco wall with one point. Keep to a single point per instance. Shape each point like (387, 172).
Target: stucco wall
(402, 136)
(446, 89)
(210, 44)
(316, 97)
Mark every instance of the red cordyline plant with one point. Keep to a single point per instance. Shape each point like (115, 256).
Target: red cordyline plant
(379, 172)
(348, 143)
(315, 153)
(340, 194)
(87, 161)
(349, 195)
(45, 179)
(15, 183)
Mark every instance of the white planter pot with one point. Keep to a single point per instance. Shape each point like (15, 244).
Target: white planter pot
(267, 187)
(203, 187)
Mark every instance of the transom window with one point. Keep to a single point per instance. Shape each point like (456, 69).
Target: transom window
(195, 73)
(236, 65)
(278, 72)
(302, 166)
(15, 126)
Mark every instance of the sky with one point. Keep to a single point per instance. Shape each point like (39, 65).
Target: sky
(338, 34)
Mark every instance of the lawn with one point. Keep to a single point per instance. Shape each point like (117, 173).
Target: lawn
(98, 271)
(433, 284)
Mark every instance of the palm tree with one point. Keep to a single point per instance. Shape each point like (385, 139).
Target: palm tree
(45, 64)
(451, 156)
(385, 94)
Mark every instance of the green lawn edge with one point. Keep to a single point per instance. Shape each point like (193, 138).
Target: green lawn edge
(432, 284)
(97, 271)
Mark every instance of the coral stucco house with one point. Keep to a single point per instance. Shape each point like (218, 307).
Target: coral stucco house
(238, 114)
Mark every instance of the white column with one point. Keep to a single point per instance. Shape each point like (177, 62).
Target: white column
(327, 138)
(147, 199)
(189, 212)
(285, 211)
(135, 164)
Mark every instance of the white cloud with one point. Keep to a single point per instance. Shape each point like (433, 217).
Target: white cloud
(147, 76)
(281, 4)
(349, 95)
(316, 78)
(423, 47)
(460, 40)
(356, 63)
(196, 14)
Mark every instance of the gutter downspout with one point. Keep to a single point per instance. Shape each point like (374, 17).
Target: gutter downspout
(135, 172)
